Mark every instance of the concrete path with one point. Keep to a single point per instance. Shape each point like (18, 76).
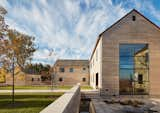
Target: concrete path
(34, 90)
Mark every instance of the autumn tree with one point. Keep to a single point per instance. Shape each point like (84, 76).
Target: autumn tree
(37, 68)
(15, 48)
(14, 44)
(20, 47)
(3, 35)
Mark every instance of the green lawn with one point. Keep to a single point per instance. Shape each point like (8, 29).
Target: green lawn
(26, 102)
(34, 87)
(86, 87)
(41, 87)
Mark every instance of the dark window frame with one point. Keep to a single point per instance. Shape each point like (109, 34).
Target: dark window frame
(133, 18)
(84, 79)
(32, 79)
(84, 68)
(60, 79)
(140, 78)
(71, 70)
(62, 69)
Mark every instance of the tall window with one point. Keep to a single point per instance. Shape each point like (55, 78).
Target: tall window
(140, 79)
(83, 79)
(60, 79)
(61, 69)
(71, 70)
(133, 61)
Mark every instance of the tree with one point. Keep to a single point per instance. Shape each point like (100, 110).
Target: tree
(15, 48)
(3, 26)
(21, 47)
(2, 75)
(3, 35)
(37, 68)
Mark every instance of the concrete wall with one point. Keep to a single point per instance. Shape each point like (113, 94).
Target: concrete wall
(129, 31)
(71, 78)
(96, 66)
(91, 108)
(67, 103)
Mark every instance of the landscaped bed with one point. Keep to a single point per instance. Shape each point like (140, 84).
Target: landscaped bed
(133, 106)
(26, 102)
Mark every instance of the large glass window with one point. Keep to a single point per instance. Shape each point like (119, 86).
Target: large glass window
(133, 61)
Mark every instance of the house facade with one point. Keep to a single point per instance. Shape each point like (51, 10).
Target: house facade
(23, 79)
(71, 72)
(126, 57)
(20, 78)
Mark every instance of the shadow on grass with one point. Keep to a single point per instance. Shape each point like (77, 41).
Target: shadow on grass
(26, 103)
(28, 96)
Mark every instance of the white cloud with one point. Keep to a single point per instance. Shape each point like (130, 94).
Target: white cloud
(154, 12)
(63, 25)
(70, 27)
(148, 7)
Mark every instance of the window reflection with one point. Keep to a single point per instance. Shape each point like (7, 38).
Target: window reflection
(134, 60)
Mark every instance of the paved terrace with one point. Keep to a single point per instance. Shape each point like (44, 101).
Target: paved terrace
(112, 105)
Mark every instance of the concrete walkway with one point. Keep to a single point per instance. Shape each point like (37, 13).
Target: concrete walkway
(34, 90)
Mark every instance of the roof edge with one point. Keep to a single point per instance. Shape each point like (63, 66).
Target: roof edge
(100, 35)
(108, 29)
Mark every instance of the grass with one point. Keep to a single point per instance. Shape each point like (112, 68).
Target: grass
(41, 87)
(86, 87)
(26, 102)
(25, 87)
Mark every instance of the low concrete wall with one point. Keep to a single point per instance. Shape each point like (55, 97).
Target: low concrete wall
(91, 108)
(67, 103)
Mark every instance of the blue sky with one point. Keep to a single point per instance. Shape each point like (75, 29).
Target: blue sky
(70, 27)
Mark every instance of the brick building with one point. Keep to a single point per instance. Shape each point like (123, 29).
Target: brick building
(71, 72)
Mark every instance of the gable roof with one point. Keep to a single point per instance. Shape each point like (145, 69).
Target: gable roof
(99, 37)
